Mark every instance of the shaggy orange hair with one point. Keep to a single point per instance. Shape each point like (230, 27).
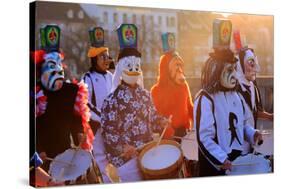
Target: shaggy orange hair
(172, 99)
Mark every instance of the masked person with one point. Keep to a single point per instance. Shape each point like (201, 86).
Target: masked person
(99, 81)
(171, 94)
(220, 115)
(128, 115)
(61, 108)
(247, 68)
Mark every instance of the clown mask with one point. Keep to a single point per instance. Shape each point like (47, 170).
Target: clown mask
(251, 66)
(228, 76)
(52, 72)
(176, 70)
(131, 71)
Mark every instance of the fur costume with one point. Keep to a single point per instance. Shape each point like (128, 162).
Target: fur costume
(172, 99)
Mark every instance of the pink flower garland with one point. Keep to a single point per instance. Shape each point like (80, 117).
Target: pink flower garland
(81, 108)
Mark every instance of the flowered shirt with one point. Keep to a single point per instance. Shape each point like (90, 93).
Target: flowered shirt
(128, 116)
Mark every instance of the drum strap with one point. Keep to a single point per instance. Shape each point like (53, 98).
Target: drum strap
(93, 99)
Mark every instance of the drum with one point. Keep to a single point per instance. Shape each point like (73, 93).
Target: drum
(266, 147)
(75, 166)
(189, 147)
(161, 162)
(250, 164)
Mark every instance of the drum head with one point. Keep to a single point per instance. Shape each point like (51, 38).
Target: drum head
(160, 157)
(189, 146)
(71, 164)
(250, 164)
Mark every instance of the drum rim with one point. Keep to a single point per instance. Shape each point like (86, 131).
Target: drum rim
(165, 170)
(71, 149)
(259, 155)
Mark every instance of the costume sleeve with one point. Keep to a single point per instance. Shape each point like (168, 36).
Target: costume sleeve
(95, 112)
(156, 120)
(112, 135)
(207, 131)
(249, 130)
(81, 109)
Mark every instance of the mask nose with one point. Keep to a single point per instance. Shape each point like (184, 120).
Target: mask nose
(235, 74)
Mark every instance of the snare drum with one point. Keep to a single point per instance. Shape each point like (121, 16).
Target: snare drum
(75, 166)
(266, 148)
(189, 146)
(161, 162)
(250, 164)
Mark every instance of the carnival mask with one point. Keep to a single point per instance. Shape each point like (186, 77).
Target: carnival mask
(52, 72)
(176, 70)
(131, 69)
(228, 76)
(251, 66)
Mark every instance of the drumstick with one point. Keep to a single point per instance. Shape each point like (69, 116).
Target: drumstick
(163, 132)
(59, 161)
(137, 149)
(241, 164)
(244, 164)
(182, 138)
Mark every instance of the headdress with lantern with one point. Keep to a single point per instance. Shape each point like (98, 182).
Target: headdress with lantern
(169, 49)
(168, 42)
(96, 35)
(127, 37)
(49, 51)
(222, 54)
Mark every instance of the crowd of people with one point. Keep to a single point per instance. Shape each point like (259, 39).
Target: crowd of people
(111, 115)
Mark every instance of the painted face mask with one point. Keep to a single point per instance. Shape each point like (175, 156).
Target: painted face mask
(176, 70)
(251, 66)
(52, 72)
(228, 76)
(131, 69)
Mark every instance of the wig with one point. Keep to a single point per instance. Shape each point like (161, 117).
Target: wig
(213, 67)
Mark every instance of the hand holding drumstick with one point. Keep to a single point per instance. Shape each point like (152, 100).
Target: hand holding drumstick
(129, 151)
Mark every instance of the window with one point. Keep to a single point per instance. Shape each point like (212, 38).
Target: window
(80, 14)
(142, 20)
(70, 13)
(134, 19)
(115, 17)
(151, 20)
(172, 22)
(105, 17)
(125, 18)
(167, 21)
(159, 20)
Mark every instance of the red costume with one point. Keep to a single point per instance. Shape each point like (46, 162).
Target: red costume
(172, 99)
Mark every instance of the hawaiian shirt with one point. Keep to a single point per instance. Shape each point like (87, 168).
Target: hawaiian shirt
(128, 116)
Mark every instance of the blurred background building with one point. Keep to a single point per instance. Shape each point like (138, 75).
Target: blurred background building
(193, 30)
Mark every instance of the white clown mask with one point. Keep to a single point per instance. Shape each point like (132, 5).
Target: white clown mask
(228, 76)
(52, 73)
(129, 70)
(251, 66)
